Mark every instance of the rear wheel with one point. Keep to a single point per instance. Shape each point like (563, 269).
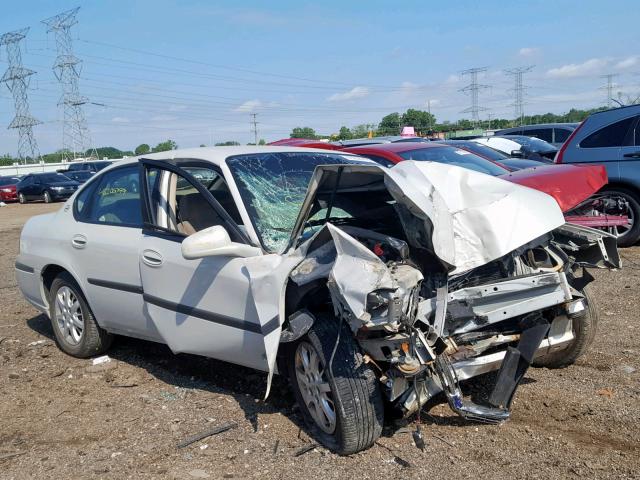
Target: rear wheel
(46, 196)
(342, 403)
(74, 326)
(585, 327)
(627, 236)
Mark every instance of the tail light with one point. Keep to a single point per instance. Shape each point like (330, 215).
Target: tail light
(564, 146)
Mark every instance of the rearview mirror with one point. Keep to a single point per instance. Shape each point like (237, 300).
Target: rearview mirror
(517, 153)
(214, 241)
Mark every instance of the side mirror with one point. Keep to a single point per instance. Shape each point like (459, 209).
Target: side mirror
(517, 153)
(214, 241)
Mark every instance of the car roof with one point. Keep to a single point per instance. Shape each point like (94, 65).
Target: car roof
(218, 155)
(539, 125)
(397, 147)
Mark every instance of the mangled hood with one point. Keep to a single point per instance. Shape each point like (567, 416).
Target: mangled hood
(473, 218)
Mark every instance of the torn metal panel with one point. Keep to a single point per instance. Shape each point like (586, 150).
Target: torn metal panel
(589, 247)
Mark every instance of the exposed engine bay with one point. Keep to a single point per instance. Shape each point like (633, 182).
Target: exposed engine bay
(424, 324)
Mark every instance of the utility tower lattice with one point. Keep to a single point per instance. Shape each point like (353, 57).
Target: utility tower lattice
(254, 127)
(75, 134)
(474, 88)
(518, 91)
(609, 87)
(17, 79)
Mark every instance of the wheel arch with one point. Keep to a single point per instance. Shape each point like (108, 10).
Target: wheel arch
(48, 274)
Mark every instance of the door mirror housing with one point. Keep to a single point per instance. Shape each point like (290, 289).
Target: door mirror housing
(215, 242)
(517, 153)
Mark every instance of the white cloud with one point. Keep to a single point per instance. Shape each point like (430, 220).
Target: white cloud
(590, 67)
(120, 120)
(354, 93)
(628, 62)
(248, 106)
(453, 78)
(528, 51)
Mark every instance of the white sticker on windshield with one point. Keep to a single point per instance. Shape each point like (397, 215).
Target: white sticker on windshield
(461, 152)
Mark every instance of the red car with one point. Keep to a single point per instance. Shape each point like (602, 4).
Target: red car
(8, 189)
(571, 187)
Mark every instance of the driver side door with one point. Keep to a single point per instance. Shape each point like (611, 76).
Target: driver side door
(202, 306)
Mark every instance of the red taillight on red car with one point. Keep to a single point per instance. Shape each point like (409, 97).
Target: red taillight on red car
(564, 146)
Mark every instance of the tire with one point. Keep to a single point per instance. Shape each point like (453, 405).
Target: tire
(21, 198)
(585, 327)
(88, 341)
(46, 196)
(631, 236)
(353, 388)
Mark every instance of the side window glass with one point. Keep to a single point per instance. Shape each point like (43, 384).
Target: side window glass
(116, 198)
(177, 205)
(541, 133)
(610, 136)
(82, 202)
(561, 135)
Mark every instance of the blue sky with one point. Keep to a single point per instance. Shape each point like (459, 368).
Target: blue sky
(193, 71)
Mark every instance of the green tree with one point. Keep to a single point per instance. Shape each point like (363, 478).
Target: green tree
(345, 133)
(390, 124)
(165, 146)
(362, 131)
(228, 143)
(142, 149)
(422, 121)
(303, 132)
(262, 141)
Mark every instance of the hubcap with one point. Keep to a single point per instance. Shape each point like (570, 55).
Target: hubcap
(68, 315)
(315, 389)
(619, 230)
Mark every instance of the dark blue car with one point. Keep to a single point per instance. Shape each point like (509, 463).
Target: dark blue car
(48, 187)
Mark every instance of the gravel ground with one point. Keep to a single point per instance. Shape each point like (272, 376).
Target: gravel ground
(61, 417)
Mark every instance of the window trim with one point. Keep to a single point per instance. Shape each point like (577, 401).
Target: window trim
(174, 166)
(91, 184)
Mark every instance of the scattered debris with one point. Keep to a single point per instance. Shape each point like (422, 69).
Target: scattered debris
(275, 447)
(204, 446)
(605, 392)
(5, 456)
(116, 454)
(443, 440)
(124, 385)
(36, 343)
(305, 449)
(628, 369)
(2, 204)
(14, 375)
(63, 411)
(402, 462)
(418, 439)
(207, 433)
(198, 473)
(100, 360)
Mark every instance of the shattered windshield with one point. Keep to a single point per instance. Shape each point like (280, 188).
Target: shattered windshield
(273, 187)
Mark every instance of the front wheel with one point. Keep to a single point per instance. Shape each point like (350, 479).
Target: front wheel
(21, 198)
(340, 400)
(584, 328)
(46, 196)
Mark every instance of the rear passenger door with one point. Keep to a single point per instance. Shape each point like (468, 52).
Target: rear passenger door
(630, 155)
(106, 242)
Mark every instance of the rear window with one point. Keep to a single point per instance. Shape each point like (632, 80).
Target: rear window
(610, 136)
(561, 135)
(455, 156)
(541, 133)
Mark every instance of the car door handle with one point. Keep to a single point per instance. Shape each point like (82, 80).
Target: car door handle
(79, 241)
(632, 155)
(152, 258)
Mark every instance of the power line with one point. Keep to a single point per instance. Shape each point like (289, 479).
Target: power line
(518, 90)
(474, 88)
(17, 79)
(75, 133)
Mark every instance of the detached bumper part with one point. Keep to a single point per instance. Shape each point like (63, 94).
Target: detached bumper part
(514, 366)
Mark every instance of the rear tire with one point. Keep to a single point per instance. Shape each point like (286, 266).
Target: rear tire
(352, 392)
(585, 327)
(631, 236)
(74, 326)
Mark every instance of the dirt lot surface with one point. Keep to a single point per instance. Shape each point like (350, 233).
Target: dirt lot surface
(61, 417)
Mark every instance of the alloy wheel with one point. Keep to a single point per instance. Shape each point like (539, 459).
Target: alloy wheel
(68, 315)
(314, 387)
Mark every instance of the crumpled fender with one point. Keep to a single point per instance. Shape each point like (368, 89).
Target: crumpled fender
(568, 184)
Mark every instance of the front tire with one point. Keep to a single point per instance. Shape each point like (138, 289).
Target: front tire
(585, 327)
(74, 326)
(46, 196)
(21, 198)
(342, 404)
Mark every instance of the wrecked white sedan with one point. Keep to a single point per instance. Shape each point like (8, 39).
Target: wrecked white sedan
(364, 285)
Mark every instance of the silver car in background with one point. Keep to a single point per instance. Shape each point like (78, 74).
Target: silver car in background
(364, 285)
